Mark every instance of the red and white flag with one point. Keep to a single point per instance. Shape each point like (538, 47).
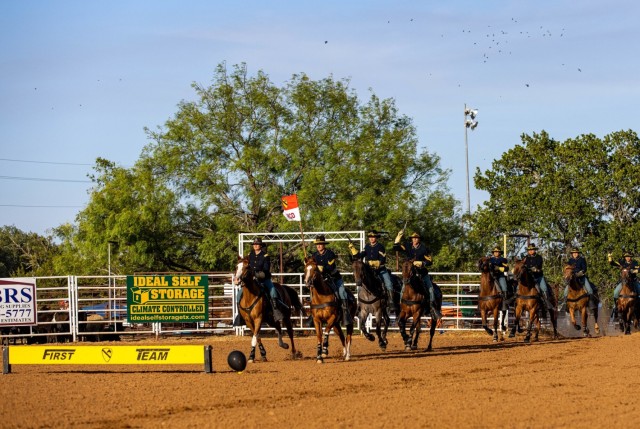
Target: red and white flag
(290, 207)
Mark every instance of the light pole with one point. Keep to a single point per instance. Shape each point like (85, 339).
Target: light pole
(469, 122)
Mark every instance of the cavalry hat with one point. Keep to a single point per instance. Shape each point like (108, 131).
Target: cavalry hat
(257, 240)
(373, 233)
(575, 250)
(320, 240)
(532, 246)
(496, 249)
(628, 254)
(415, 235)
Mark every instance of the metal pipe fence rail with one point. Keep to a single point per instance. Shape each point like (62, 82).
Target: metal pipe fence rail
(94, 308)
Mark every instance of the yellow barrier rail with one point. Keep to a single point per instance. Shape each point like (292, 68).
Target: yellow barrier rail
(106, 355)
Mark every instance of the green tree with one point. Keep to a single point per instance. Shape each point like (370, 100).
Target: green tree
(583, 191)
(25, 254)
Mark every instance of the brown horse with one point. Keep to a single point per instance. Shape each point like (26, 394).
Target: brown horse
(627, 301)
(490, 298)
(325, 308)
(372, 299)
(413, 303)
(578, 300)
(253, 308)
(528, 299)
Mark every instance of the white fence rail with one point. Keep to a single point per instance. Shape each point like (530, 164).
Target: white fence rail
(93, 308)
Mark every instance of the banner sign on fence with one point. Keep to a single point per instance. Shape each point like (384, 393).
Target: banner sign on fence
(167, 299)
(18, 301)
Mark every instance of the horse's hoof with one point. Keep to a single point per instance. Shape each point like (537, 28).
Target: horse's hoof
(495, 340)
(488, 330)
(597, 330)
(428, 349)
(383, 348)
(520, 330)
(370, 337)
(319, 360)
(250, 361)
(527, 340)
(285, 346)
(407, 348)
(512, 334)
(347, 358)
(578, 327)
(414, 347)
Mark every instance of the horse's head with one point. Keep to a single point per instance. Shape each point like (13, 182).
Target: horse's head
(519, 268)
(484, 264)
(359, 273)
(408, 270)
(311, 271)
(625, 275)
(567, 273)
(244, 272)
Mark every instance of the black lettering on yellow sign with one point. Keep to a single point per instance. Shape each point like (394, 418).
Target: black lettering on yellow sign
(58, 354)
(152, 354)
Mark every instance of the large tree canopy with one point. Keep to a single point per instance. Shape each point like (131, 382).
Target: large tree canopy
(581, 192)
(221, 164)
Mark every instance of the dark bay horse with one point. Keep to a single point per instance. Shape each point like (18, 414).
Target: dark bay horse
(413, 303)
(325, 309)
(627, 302)
(578, 300)
(253, 308)
(528, 299)
(490, 298)
(371, 300)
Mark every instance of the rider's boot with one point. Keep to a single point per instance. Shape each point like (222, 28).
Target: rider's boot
(505, 301)
(277, 314)
(238, 321)
(390, 305)
(562, 305)
(347, 319)
(614, 311)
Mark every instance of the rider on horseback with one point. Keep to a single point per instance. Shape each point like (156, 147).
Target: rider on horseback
(533, 262)
(422, 259)
(499, 267)
(326, 260)
(374, 255)
(261, 264)
(628, 263)
(580, 271)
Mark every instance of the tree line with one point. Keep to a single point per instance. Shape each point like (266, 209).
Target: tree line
(220, 164)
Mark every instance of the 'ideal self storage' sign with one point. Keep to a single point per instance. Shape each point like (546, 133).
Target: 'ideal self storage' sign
(167, 298)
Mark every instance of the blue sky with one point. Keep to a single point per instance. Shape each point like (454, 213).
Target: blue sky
(80, 80)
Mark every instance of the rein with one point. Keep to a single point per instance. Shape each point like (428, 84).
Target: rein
(581, 297)
(489, 298)
(254, 303)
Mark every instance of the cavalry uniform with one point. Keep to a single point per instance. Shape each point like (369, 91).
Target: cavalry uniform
(627, 262)
(326, 261)
(499, 267)
(260, 262)
(374, 255)
(580, 271)
(422, 259)
(533, 262)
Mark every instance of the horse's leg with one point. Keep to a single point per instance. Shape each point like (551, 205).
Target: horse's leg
(532, 316)
(416, 328)
(362, 315)
(278, 328)
(627, 321)
(496, 312)
(584, 314)
(318, 326)
(386, 321)
(553, 315)
(432, 331)
(325, 339)
(572, 313)
(254, 340)
(537, 320)
(516, 321)
(596, 327)
(483, 316)
(338, 330)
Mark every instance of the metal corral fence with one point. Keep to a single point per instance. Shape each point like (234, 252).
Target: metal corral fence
(94, 308)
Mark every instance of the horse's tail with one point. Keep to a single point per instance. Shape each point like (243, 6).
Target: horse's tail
(294, 298)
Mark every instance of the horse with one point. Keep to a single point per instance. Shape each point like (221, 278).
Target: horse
(627, 302)
(325, 308)
(490, 298)
(413, 303)
(528, 299)
(253, 308)
(372, 299)
(578, 300)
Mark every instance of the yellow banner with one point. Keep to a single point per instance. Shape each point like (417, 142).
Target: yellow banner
(109, 355)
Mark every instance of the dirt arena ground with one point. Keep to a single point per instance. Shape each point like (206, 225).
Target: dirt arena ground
(466, 382)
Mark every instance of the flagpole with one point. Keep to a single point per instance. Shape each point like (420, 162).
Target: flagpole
(304, 246)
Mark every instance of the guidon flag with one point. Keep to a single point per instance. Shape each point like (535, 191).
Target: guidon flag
(290, 207)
